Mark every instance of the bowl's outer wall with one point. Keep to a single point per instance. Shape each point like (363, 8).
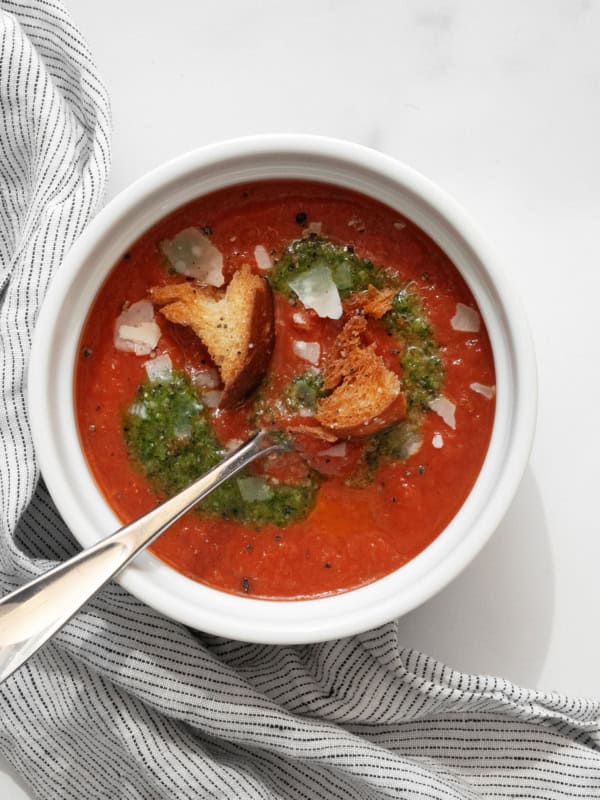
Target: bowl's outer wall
(134, 211)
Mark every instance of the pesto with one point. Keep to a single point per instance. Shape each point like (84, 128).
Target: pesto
(422, 379)
(394, 443)
(422, 368)
(406, 321)
(350, 273)
(304, 391)
(169, 435)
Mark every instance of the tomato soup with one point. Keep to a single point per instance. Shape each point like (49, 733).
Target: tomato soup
(369, 357)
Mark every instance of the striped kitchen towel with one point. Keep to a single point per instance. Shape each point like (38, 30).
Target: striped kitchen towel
(127, 704)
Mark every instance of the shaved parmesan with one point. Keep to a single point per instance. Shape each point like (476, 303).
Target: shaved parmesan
(309, 351)
(316, 289)
(233, 444)
(139, 409)
(337, 451)
(135, 329)
(140, 339)
(413, 447)
(206, 378)
(313, 227)
(262, 258)
(465, 319)
(446, 409)
(486, 391)
(159, 368)
(254, 489)
(192, 253)
(183, 429)
(437, 441)
(212, 398)
(142, 311)
(299, 319)
(356, 222)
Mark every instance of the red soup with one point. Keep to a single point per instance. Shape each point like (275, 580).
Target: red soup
(323, 316)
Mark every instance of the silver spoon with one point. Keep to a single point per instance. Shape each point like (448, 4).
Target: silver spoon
(32, 614)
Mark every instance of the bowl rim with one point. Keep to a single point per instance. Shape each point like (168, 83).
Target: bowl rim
(321, 618)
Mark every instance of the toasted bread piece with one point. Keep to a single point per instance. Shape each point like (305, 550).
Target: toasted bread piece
(366, 395)
(348, 342)
(373, 302)
(313, 430)
(236, 326)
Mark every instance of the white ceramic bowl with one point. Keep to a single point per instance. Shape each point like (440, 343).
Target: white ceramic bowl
(122, 222)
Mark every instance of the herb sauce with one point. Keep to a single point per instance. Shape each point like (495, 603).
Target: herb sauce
(169, 435)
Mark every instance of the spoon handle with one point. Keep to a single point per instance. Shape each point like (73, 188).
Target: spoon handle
(33, 613)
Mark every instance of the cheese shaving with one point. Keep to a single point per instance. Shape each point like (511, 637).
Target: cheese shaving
(254, 489)
(313, 227)
(309, 351)
(465, 319)
(486, 391)
(212, 398)
(356, 222)
(192, 253)
(337, 451)
(446, 409)
(206, 378)
(135, 329)
(413, 447)
(437, 441)
(316, 289)
(262, 258)
(299, 319)
(159, 368)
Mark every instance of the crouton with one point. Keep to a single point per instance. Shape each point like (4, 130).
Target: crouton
(373, 302)
(236, 326)
(366, 395)
(313, 430)
(348, 342)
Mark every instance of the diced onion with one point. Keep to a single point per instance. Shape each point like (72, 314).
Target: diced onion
(254, 489)
(446, 409)
(135, 329)
(316, 289)
(465, 319)
(159, 368)
(486, 391)
(309, 351)
(437, 441)
(262, 258)
(192, 253)
(336, 451)
(212, 398)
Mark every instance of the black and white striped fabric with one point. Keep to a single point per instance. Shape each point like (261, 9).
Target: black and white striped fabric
(126, 704)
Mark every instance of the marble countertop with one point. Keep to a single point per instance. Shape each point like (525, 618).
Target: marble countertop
(499, 103)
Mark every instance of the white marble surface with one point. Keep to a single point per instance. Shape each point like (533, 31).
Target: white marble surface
(499, 102)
